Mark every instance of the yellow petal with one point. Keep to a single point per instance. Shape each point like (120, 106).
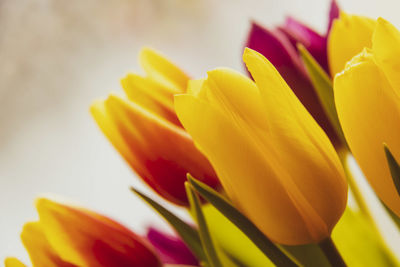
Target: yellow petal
(13, 262)
(194, 86)
(240, 164)
(348, 37)
(40, 251)
(386, 51)
(368, 110)
(236, 96)
(151, 96)
(107, 126)
(161, 70)
(302, 150)
(230, 123)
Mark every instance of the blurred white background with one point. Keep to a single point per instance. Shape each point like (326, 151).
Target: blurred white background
(57, 56)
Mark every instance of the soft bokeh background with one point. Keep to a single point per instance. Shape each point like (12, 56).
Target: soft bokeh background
(57, 56)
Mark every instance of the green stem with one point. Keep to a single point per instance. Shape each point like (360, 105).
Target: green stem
(332, 254)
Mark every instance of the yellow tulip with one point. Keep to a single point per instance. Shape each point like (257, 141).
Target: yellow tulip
(275, 162)
(368, 105)
(348, 36)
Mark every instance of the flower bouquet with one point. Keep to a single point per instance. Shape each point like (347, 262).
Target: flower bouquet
(260, 160)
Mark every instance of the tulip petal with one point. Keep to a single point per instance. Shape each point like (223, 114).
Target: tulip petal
(276, 47)
(302, 150)
(170, 248)
(40, 251)
(228, 146)
(195, 86)
(160, 69)
(313, 41)
(13, 262)
(87, 239)
(107, 126)
(333, 14)
(121, 143)
(126, 146)
(386, 50)
(368, 111)
(160, 152)
(236, 96)
(348, 37)
(151, 96)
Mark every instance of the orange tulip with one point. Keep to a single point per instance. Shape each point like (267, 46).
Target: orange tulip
(70, 236)
(147, 133)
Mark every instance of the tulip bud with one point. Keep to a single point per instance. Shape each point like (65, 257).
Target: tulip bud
(348, 36)
(67, 236)
(274, 161)
(147, 133)
(368, 105)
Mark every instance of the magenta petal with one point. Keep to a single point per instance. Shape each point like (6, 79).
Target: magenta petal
(312, 41)
(333, 14)
(277, 48)
(170, 249)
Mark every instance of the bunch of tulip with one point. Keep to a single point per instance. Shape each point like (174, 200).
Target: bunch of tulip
(259, 160)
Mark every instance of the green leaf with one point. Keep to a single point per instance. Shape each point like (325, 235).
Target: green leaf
(232, 240)
(394, 167)
(309, 255)
(359, 242)
(245, 225)
(355, 238)
(188, 234)
(205, 237)
(324, 89)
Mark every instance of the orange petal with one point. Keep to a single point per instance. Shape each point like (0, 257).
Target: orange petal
(160, 152)
(88, 239)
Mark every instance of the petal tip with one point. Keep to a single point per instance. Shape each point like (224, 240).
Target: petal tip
(248, 53)
(13, 262)
(96, 106)
(44, 205)
(146, 51)
(382, 21)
